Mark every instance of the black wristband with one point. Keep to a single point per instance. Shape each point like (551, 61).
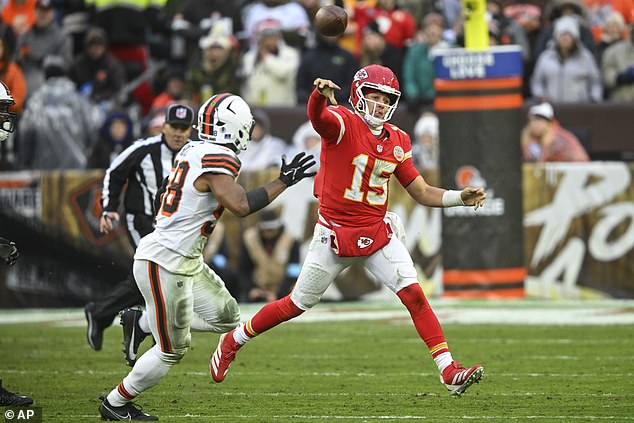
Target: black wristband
(257, 199)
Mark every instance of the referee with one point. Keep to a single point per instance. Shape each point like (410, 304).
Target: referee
(142, 166)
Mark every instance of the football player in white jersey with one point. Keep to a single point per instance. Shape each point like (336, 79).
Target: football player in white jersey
(181, 292)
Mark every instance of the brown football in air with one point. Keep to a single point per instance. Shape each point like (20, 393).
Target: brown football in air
(331, 20)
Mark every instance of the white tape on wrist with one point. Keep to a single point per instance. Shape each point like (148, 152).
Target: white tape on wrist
(451, 198)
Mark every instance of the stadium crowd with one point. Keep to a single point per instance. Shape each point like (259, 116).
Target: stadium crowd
(78, 68)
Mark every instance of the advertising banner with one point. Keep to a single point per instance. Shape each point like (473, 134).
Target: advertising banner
(478, 103)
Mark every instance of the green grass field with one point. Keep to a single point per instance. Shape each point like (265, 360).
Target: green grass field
(348, 371)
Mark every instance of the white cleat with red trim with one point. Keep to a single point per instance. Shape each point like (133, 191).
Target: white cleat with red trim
(223, 356)
(458, 378)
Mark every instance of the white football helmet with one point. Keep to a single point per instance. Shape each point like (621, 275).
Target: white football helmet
(7, 118)
(226, 119)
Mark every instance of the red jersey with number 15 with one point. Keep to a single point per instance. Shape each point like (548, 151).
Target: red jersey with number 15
(356, 166)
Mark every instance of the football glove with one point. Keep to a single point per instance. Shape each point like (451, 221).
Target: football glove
(8, 252)
(293, 172)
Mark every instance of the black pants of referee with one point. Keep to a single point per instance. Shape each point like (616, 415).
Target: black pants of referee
(125, 293)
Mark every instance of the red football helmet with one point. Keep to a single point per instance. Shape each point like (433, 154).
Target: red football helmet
(374, 78)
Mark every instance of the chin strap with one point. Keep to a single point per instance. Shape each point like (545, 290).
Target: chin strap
(375, 124)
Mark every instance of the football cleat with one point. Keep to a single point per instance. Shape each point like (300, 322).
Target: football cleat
(458, 378)
(223, 356)
(10, 399)
(128, 412)
(133, 335)
(94, 331)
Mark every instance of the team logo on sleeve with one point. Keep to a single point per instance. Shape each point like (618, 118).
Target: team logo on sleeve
(399, 153)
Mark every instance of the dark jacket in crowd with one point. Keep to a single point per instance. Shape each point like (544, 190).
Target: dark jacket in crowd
(327, 60)
(102, 78)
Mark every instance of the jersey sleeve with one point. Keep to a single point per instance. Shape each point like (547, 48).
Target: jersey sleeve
(327, 121)
(221, 163)
(406, 172)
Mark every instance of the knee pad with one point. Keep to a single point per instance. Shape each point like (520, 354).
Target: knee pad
(311, 285)
(228, 316)
(176, 354)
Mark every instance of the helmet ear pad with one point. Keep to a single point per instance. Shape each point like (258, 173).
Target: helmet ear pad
(226, 119)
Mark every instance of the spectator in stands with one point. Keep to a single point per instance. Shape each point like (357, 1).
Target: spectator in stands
(194, 19)
(216, 72)
(612, 32)
(566, 71)
(155, 124)
(44, 38)
(265, 150)
(528, 16)
(289, 16)
(600, 11)
(556, 9)
(115, 135)
(59, 125)
(269, 261)
(270, 71)
(97, 73)
(129, 26)
(74, 18)
(327, 59)
(375, 50)
(425, 145)
(544, 140)
(19, 14)
(306, 139)
(174, 91)
(397, 26)
(9, 37)
(618, 69)
(509, 32)
(418, 67)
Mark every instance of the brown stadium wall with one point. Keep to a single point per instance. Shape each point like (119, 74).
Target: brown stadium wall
(578, 226)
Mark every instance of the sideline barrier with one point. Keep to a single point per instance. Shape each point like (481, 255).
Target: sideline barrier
(578, 226)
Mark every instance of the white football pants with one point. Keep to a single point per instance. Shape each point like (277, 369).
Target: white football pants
(392, 265)
(174, 304)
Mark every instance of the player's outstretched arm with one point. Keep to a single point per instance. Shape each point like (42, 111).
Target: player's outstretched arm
(242, 203)
(431, 196)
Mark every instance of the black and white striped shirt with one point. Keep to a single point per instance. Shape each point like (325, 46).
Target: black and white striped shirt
(143, 166)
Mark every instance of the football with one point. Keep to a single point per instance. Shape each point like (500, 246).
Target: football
(331, 20)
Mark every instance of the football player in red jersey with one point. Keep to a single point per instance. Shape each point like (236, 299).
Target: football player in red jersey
(360, 151)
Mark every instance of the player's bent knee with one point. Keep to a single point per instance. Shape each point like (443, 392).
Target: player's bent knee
(311, 285)
(173, 356)
(228, 317)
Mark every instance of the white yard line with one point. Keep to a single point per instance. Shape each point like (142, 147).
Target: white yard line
(526, 312)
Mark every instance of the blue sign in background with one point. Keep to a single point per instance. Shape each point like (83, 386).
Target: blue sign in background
(496, 62)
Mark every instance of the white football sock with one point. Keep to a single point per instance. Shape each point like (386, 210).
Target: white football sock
(443, 360)
(240, 336)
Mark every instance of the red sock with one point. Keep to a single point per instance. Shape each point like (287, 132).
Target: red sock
(424, 318)
(272, 315)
